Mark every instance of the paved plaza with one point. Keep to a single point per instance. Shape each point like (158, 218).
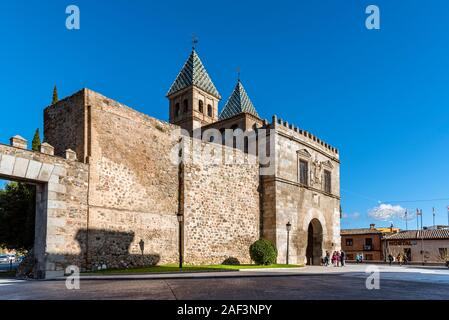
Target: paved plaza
(305, 283)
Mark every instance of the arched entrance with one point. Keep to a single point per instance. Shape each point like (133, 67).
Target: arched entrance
(314, 249)
(61, 187)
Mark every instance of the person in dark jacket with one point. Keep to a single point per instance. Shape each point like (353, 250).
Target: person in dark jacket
(390, 259)
(342, 258)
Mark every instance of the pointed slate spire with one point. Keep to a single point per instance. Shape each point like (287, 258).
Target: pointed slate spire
(237, 103)
(193, 73)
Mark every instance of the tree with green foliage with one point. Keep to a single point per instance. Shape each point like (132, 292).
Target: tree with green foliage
(18, 210)
(36, 144)
(55, 95)
(17, 216)
(263, 252)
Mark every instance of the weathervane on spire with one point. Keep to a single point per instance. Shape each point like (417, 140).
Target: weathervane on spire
(194, 41)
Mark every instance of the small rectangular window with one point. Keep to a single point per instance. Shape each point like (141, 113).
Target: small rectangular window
(327, 181)
(368, 244)
(349, 242)
(303, 172)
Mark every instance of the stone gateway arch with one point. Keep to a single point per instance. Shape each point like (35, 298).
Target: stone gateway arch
(61, 201)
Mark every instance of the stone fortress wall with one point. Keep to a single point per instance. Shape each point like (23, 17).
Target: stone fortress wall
(221, 204)
(134, 188)
(114, 199)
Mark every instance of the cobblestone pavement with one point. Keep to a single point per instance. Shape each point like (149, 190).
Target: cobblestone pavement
(308, 283)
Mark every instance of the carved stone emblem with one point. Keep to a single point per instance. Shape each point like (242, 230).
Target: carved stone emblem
(316, 172)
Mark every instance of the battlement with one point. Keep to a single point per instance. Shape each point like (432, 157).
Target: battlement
(18, 142)
(276, 122)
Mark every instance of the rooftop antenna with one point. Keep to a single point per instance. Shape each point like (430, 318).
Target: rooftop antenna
(194, 41)
(238, 74)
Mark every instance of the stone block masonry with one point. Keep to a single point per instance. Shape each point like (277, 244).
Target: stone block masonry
(222, 210)
(313, 211)
(134, 188)
(61, 205)
(112, 193)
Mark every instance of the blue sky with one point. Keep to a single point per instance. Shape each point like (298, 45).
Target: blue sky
(380, 96)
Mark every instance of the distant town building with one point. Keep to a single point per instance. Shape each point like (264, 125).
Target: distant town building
(437, 227)
(365, 241)
(428, 246)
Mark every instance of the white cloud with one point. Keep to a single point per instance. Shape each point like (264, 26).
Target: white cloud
(354, 215)
(387, 212)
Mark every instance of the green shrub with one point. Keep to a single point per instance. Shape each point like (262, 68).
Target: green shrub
(231, 261)
(263, 252)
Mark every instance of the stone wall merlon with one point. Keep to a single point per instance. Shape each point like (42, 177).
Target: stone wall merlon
(18, 163)
(18, 142)
(280, 123)
(70, 155)
(47, 149)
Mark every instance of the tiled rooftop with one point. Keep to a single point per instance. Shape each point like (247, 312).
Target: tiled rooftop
(193, 73)
(420, 234)
(238, 102)
(359, 231)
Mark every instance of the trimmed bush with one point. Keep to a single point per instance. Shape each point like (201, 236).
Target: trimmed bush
(231, 261)
(263, 252)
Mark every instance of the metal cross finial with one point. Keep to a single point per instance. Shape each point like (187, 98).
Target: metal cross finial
(194, 41)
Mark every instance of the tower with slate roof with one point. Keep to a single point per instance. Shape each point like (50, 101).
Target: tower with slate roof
(237, 103)
(193, 96)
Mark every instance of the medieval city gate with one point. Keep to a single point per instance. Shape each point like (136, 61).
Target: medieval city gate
(61, 202)
(314, 242)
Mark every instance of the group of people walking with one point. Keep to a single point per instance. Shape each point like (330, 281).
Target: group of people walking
(337, 259)
(401, 259)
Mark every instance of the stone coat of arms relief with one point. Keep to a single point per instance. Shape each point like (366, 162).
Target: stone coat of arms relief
(316, 173)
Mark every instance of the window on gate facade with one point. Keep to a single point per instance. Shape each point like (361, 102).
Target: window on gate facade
(234, 138)
(327, 181)
(177, 110)
(349, 242)
(209, 110)
(303, 172)
(223, 135)
(200, 106)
